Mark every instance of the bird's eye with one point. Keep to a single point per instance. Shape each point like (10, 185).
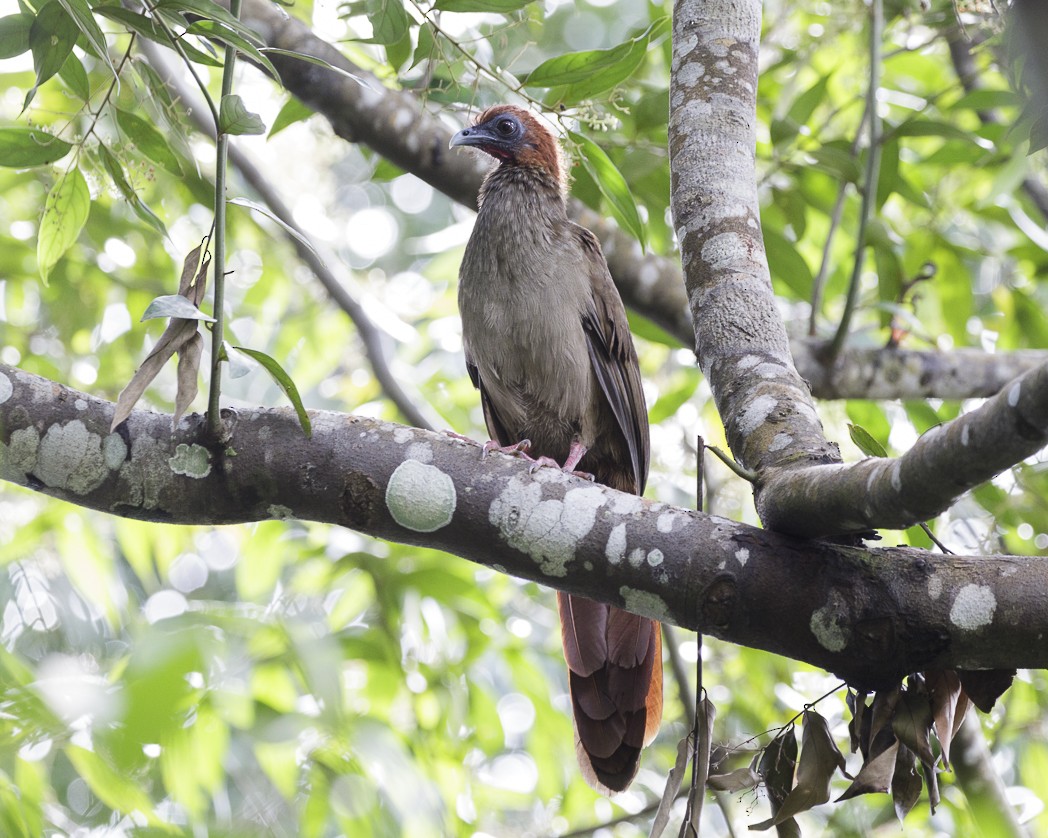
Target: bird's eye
(506, 127)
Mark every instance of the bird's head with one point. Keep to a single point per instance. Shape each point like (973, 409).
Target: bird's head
(513, 137)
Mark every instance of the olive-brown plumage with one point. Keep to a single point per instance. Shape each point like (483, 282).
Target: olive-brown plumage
(548, 346)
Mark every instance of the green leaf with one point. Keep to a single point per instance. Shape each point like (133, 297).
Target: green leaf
(889, 275)
(980, 100)
(320, 62)
(75, 76)
(24, 147)
(210, 10)
(294, 110)
(174, 305)
(268, 213)
(838, 162)
(805, 104)
(389, 21)
(65, 211)
(235, 118)
(786, 264)
(587, 73)
(502, 7)
(14, 34)
(51, 38)
(148, 141)
(81, 14)
(427, 45)
(284, 382)
(612, 186)
(115, 789)
(227, 35)
(116, 172)
(932, 128)
(865, 442)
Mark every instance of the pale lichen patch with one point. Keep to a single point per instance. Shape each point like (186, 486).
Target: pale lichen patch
(80, 404)
(420, 497)
(19, 457)
(615, 551)
(830, 623)
(756, 413)
(420, 451)
(779, 441)
(114, 450)
(280, 512)
(973, 608)
(636, 556)
(403, 435)
(644, 603)
(742, 555)
(548, 531)
(664, 523)
(655, 557)
(6, 388)
(935, 587)
(624, 504)
(70, 458)
(191, 461)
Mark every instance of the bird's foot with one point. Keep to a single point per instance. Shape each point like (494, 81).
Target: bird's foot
(576, 453)
(517, 449)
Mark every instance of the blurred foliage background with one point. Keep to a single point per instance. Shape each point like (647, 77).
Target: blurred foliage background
(294, 679)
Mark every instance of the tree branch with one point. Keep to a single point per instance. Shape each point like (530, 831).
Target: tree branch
(395, 124)
(870, 616)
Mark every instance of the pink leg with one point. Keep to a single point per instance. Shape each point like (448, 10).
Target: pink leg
(575, 455)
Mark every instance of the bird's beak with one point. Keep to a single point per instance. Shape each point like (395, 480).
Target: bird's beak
(474, 136)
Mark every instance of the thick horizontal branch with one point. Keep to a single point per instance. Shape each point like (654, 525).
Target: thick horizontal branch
(894, 493)
(396, 125)
(871, 616)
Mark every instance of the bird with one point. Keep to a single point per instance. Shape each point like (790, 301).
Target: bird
(548, 346)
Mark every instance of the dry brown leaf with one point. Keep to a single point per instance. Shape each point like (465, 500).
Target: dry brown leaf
(820, 759)
(859, 726)
(776, 769)
(177, 333)
(673, 784)
(188, 370)
(906, 782)
(944, 690)
(985, 686)
(191, 285)
(912, 723)
(737, 780)
(875, 776)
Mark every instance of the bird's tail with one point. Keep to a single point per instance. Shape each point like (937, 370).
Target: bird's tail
(615, 677)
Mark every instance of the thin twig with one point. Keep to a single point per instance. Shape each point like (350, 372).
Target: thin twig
(214, 417)
(869, 194)
(317, 261)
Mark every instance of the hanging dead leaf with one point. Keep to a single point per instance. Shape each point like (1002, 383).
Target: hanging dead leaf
(178, 333)
(860, 738)
(912, 723)
(985, 686)
(932, 779)
(776, 769)
(188, 370)
(875, 776)
(737, 780)
(673, 784)
(820, 759)
(882, 712)
(175, 335)
(906, 782)
(944, 691)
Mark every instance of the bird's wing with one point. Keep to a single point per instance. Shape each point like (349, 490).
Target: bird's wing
(613, 356)
(496, 427)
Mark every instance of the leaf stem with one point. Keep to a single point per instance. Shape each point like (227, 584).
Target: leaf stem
(869, 193)
(214, 416)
